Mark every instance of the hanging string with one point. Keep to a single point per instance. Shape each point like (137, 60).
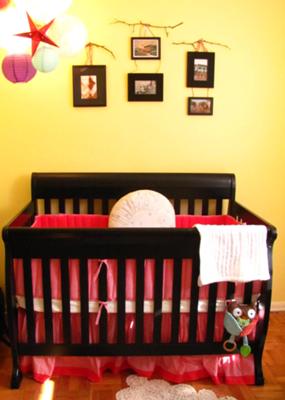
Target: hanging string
(89, 52)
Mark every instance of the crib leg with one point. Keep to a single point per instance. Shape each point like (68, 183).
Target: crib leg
(16, 378)
(259, 378)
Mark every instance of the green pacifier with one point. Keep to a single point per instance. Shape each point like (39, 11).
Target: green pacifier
(245, 350)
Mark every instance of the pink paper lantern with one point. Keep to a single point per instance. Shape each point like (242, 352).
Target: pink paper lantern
(4, 3)
(18, 68)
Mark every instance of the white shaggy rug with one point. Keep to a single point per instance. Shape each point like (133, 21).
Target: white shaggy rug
(157, 389)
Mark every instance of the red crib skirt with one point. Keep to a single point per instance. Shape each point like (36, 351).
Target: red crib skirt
(229, 369)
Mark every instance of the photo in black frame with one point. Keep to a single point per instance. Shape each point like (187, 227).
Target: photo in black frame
(200, 105)
(145, 87)
(200, 69)
(145, 48)
(89, 85)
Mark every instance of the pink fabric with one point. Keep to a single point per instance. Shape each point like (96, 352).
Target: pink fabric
(227, 369)
(222, 369)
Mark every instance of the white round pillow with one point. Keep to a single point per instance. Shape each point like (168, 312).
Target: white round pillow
(142, 208)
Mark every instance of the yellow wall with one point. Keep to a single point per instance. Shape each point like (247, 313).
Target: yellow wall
(41, 131)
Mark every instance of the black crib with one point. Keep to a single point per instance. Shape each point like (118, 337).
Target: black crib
(95, 193)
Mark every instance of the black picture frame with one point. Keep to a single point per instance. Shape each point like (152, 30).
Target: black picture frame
(200, 69)
(89, 85)
(200, 105)
(145, 87)
(145, 48)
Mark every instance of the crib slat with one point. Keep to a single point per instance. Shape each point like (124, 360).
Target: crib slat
(219, 206)
(90, 205)
(61, 205)
(76, 205)
(158, 300)
(84, 308)
(121, 315)
(212, 298)
(139, 300)
(177, 206)
(47, 204)
(29, 300)
(65, 294)
(105, 206)
(194, 296)
(205, 206)
(230, 290)
(191, 206)
(176, 293)
(47, 300)
(103, 298)
(247, 292)
(229, 295)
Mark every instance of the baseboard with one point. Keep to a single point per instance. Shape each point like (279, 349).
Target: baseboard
(278, 306)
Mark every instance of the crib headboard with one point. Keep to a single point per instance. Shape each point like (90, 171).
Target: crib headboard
(192, 193)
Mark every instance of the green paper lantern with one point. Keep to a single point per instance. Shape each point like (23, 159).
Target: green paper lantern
(45, 59)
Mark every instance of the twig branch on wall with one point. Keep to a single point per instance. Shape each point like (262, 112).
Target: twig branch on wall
(89, 50)
(199, 45)
(142, 24)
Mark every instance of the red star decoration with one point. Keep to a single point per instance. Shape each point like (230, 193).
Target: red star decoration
(37, 34)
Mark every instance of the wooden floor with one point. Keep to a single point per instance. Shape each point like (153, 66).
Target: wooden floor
(80, 389)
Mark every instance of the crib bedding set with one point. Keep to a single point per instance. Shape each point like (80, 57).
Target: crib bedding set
(164, 274)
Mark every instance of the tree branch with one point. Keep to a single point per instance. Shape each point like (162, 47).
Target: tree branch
(147, 25)
(89, 48)
(201, 43)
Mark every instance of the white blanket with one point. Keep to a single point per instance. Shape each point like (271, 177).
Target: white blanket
(236, 253)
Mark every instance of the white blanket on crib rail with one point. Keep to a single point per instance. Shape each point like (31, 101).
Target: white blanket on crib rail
(236, 253)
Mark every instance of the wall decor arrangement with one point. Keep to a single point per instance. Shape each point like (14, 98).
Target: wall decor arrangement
(89, 85)
(145, 87)
(200, 69)
(200, 105)
(200, 74)
(145, 48)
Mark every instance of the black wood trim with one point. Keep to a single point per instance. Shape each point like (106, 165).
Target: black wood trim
(29, 299)
(65, 294)
(121, 288)
(46, 280)
(139, 300)
(158, 285)
(84, 298)
(176, 294)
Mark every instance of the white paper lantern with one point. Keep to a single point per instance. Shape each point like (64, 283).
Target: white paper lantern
(70, 34)
(44, 10)
(13, 21)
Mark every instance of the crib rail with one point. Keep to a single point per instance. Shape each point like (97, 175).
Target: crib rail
(88, 192)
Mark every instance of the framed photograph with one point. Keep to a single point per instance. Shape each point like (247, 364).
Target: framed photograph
(89, 85)
(200, 105)
(145, 48)
(200, 69)
(145, 87)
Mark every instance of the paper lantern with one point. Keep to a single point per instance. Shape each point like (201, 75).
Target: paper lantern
(43, 10)
(70, 35)
(4, 3)
(45, 59)
(18, 68)
(13, 21)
